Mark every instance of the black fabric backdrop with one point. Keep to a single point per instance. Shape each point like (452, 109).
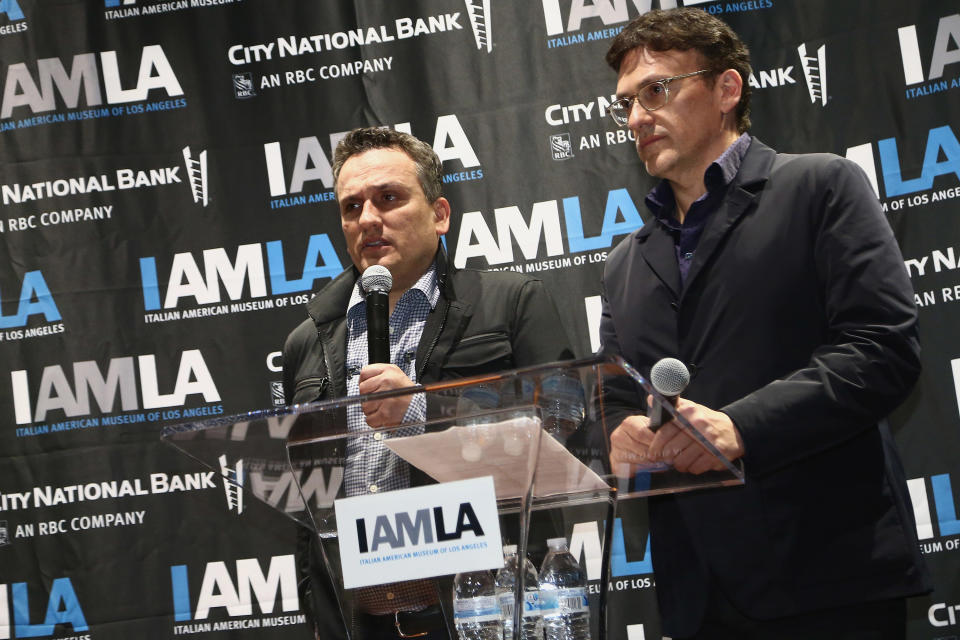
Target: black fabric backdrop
(167, 209)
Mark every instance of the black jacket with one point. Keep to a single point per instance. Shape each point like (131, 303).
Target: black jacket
(797, 320)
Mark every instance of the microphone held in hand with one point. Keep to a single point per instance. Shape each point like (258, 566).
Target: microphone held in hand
(376, 283)
(669, 377)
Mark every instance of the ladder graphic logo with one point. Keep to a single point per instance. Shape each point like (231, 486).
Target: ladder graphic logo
(197, 175)
(479, 12)
(232, 484)
(815, 73)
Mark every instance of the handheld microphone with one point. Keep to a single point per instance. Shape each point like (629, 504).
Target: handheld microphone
(376, 283)
(669, 377)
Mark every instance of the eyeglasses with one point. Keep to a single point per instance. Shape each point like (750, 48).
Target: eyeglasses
(651, 97)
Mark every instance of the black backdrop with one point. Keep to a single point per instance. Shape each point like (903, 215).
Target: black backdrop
(167, 207)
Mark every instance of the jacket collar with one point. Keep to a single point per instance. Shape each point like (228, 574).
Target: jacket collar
(657, 245)
(331, 302)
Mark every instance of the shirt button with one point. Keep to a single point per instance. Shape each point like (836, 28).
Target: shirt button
(390, 595)
(688, 255)
(378, 436)
(373, 488)
(391, 330)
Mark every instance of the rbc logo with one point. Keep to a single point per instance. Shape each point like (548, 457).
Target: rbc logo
(35, 299)
(219, 589)
(63, 607)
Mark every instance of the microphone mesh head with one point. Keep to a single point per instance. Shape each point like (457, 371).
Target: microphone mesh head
(376, 278)
(669, 376)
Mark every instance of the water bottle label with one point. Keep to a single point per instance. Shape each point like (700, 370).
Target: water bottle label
(479, 609)
(531, 604)
(561, 602)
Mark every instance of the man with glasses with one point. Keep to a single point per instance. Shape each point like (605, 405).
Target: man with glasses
(777, 279)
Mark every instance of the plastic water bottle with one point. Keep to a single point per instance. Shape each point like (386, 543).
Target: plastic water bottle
(563, 595)
(561, 405)
(507, 578)
(476, 612)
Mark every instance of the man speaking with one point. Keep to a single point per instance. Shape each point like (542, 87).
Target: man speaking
(442, 323)
(777, 280)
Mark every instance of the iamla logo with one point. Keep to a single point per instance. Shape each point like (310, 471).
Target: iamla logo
(63, 608)
(609, 12)
(59, 392)
(247, 271)
(38, 93)
(234, 590)
(942, 54)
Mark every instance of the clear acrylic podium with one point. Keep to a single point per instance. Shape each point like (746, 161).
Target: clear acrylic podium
(531, 444)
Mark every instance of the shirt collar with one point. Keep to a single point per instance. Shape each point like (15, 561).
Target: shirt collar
(721, 172)
(425, 286)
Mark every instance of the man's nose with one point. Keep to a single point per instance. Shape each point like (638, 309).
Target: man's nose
(369, 216)
(639, 117)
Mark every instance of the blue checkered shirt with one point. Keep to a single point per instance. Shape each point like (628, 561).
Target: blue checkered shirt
(371, 467)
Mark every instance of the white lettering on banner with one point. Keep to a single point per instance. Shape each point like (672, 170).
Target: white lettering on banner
(955, 367)
(921, 508)
(608, 11)
(594, 308)
(635, 632)
(219, 589)
(942, 615)
(311, 162)
(419, 533)
(20, 89)
(158, 483)
(291, 46)
(56, 393)
(948, 29)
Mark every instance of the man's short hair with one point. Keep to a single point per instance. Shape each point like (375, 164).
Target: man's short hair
(429, 167)
(682, 29)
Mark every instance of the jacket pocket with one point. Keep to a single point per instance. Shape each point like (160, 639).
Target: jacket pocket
(480, 353)
(309, 390)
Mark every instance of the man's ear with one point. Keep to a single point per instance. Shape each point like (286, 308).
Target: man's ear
(441, 212)
(729, 84)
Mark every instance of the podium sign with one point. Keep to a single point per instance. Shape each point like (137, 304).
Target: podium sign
(537, 438)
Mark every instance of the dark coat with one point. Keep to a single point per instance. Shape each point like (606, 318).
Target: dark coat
(797, 320)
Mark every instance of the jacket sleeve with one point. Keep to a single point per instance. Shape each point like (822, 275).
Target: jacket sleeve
(869, 360)
(537, 334)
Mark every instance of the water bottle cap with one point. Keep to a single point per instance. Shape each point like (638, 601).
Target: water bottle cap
(509, 549)
(557, 543)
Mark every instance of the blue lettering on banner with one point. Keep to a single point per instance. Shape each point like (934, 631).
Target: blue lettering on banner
(940, 140)
(35, 299)
(619, 565)
(12, 9)
(63, 607)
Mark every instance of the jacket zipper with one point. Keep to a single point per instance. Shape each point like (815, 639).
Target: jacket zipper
(433, 343)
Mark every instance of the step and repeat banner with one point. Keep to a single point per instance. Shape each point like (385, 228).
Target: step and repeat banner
(167, 208)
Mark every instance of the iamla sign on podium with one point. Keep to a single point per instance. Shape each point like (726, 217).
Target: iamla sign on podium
(415, 533)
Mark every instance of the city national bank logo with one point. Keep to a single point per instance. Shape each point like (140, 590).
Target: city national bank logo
(35, 300)
(939, 177)
(490, 240)
(309, 164)
(244, 279)
(233, 479)
(193, 173)
(942, 54)
(30, 98)
(62, 608)
(560, 146)
(137, 382)
(243, 85)
(241, 596)
(12, 19)
(117, 9)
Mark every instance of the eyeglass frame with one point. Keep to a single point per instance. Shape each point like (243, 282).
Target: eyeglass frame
(664, 82)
